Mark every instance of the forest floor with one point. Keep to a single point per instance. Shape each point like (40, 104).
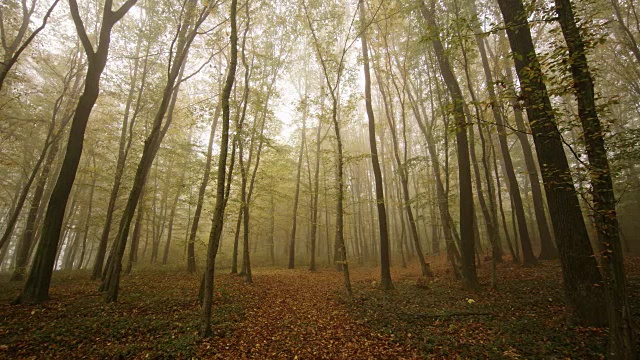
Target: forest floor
(297, 314)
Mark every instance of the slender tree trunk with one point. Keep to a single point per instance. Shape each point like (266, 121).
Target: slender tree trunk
(160, 224)
(385, 254)
(135, 237)
(87, 221)
(187, 33)
(303, 137)
(174, 205)
(514, 255)
(548, 250)
(236, 242)
(316, 185)
(218, 215)
(404, 181)
(123, 151)
(490, 214)
(464, 173)
(26, 242)
(441, 194)
(272, 229)
(191, 253)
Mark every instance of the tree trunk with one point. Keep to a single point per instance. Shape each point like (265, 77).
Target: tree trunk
(165, 254)
(135, 237)
(87, 221)
(581, 277)
(191, 253)
(123, 151)
(404, 181)
(26, 242)
(303, 137)
(186, 34)
(622, 343)
(36, 289)
(385, 254)
(218, 215)
(464, 173)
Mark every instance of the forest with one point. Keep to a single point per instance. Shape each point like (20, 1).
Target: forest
(319, 179)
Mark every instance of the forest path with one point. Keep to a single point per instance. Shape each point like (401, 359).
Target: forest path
(297, 315)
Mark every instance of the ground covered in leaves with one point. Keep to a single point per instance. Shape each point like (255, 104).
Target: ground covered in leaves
(287, 314)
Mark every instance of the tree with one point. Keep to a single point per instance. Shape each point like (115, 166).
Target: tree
(385, 271)
(294, 223)
(581, 277)
(464, 172)
(71, 86)
(622, 343)
(124, 146)
(36, 288)
(14, 48)
(186, 33)
(341, 250)
(401, 163)
(191, 255)
(218, 214)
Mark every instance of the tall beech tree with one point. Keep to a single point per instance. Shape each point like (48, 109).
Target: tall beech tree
(401, 162)
(296, 197)
(218, 214)
(547, 248)
(333, 86)
(124, 146)
(464, 172)
(36, 288)
(385, 255)
(582, 280)
(622, 343)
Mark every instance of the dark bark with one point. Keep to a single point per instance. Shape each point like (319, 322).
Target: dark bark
(135, 237)
(622, 343)
(582, 280)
